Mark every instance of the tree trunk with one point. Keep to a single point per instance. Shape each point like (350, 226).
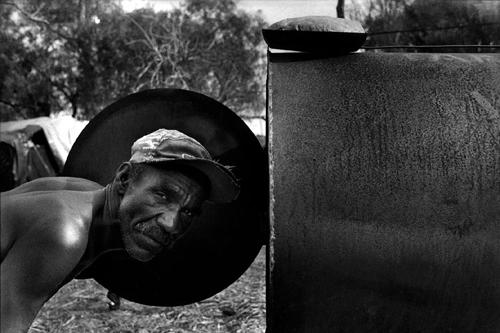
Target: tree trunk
(74, 105)
(340, 8)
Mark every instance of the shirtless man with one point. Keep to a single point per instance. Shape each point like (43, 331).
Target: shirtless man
(53, 228)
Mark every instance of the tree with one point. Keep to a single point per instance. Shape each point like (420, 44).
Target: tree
(206, 46)
(53, 61)
(448, 22)
(81, 60)
(384, 15)
(429, 22)
(23, 93)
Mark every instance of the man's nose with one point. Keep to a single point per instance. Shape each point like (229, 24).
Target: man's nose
(169, 221)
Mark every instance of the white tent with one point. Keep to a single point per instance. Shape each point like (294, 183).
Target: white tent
(60, 131)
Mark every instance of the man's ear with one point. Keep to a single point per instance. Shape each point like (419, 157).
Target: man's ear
(122, 177)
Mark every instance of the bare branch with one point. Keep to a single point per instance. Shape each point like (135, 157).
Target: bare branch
(16, 106)
(150, 41)
(141, 74)
(60, 87)
(33, 18)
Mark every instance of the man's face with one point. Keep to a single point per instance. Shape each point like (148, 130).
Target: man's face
(156, 209)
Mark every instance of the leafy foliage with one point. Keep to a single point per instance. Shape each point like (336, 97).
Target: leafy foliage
(82, 55)
(429, 22)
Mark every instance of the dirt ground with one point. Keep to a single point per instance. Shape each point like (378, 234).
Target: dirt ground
(82, 306)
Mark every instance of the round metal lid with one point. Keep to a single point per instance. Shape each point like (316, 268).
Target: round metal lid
(222, 243)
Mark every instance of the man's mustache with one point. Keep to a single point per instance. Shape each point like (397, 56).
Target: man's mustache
(153, 230)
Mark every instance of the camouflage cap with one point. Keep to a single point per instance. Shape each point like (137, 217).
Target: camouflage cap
(174, 147)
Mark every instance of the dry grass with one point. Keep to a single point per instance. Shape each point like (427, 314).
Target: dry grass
(81, 306)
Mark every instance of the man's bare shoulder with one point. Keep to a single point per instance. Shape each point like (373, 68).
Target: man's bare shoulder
(62, 216)
(32, 208)
(46, 240)
(55, 184)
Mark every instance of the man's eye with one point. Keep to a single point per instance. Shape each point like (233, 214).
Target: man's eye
(162, 195)
(188, 212)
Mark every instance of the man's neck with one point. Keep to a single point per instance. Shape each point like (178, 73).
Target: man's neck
(104, 233)
(111, 204)
(105, 229)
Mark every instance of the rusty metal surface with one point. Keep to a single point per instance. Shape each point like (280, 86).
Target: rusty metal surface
(224, 240)
(385, 193)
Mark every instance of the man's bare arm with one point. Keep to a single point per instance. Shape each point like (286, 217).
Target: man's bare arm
(33, 270)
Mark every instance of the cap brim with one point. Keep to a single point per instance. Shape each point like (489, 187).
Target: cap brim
(224, 186)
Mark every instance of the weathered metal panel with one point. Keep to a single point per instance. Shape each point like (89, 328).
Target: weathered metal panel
(385, 193)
